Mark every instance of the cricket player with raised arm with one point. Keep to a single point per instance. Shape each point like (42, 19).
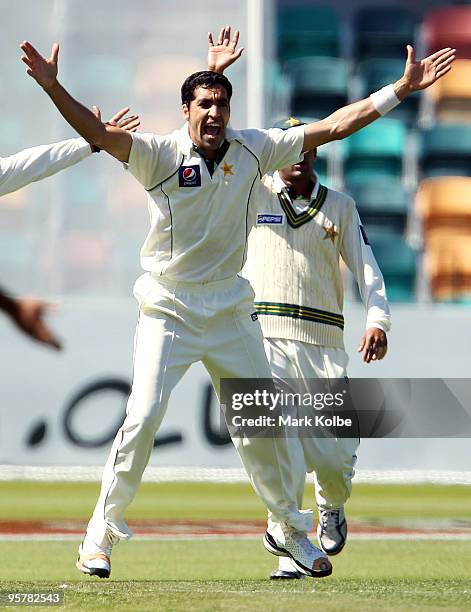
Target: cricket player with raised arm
(29, 166)
(200, 182)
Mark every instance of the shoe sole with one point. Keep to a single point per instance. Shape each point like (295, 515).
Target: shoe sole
(285, 575)
(93, 571)
(274, 549)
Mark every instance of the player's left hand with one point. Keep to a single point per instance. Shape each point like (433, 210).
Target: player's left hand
(373, 344)
(421, 74)
(225, 52)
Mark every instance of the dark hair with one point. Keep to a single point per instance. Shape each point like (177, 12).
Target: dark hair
(204, 78)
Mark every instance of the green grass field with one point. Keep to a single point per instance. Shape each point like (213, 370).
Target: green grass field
(232, 574)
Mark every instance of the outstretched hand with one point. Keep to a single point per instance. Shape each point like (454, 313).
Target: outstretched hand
(130, 124)
(225, 52)
(423, 73)
(44, 71)
(28, 315)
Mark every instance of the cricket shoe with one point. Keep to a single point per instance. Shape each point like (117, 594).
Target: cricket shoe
(94, 559)
(285, 541)
(286, 570)
(332, 530)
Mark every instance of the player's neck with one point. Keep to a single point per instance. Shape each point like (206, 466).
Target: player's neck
(302, 186)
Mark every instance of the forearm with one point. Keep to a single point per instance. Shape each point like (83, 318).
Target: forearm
(348, 119)
(8, 304)
(358, 255)
(112, 139)
(39, 162)
(77, 115)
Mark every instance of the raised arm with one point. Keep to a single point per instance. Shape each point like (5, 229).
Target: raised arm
(114, 140)
(349, 119)
(225, 52)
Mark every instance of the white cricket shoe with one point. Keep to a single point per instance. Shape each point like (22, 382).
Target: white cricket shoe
(332, 530)
(285, 541)
(94, 559)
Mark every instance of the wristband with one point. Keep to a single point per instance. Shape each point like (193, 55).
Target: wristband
(385, 99)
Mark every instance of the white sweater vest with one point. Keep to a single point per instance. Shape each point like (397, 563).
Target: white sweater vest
(293, 266)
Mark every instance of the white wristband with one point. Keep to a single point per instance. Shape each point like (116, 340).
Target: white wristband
(385, 99)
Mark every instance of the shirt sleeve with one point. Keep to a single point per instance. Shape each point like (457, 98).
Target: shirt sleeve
(152, 158)
(358, 255)
(281, 148)
(40, 162)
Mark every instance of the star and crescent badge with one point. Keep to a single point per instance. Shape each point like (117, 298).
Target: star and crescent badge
(330, 233)
(227, 168)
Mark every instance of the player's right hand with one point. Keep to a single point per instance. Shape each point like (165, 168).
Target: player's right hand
(29, 317)
(130, 124)
(44, 71)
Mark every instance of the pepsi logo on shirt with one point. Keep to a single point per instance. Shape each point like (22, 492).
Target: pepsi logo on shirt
(189, 176)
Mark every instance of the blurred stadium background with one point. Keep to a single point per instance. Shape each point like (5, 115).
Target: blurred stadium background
(75, 238)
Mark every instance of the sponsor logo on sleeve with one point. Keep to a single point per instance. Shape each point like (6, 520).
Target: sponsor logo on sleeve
(189, 176)
(254, 316)
(269, 219)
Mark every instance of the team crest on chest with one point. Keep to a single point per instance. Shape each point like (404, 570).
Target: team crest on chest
(189, 176)
(330, 233)
(227, 168)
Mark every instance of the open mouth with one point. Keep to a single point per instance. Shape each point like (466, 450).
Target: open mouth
(212, 130)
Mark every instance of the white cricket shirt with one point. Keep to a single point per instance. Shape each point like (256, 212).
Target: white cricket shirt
(37, 163)
(198, 222)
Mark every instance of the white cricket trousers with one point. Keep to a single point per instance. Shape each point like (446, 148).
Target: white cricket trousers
(179, 324)
(331, 459)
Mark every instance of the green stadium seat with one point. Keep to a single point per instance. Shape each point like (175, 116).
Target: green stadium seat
(319, 85)
(307, 30)
(397, 262)
(446, 150)
(376, 73)
(382, 203)
(383, 31)
(375, 151)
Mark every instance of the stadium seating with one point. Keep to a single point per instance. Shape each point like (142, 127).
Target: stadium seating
(444, 203)
(451, 95)
(446, 150)
(376, 151)
(397, 261)
(383, 31)
(307, 30)
(447, 262)
(382, 203)
(448, 27)
(319, 85)
(376, 73)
